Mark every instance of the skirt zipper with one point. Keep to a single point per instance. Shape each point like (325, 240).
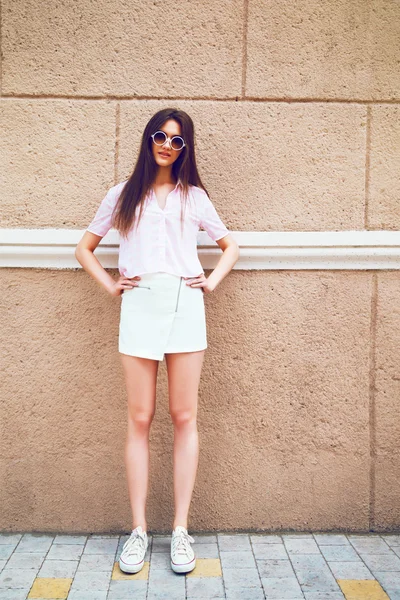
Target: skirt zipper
(179, 291)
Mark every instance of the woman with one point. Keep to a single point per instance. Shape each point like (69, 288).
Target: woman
(158, 212)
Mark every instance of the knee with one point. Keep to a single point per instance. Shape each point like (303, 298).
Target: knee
(183, 418)
(140, 421)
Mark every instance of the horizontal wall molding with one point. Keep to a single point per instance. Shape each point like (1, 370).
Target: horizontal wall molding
(265, 250)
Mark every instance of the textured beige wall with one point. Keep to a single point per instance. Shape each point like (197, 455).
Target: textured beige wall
(297, 115)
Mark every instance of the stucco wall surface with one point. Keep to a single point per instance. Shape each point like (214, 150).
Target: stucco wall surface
(296, 108)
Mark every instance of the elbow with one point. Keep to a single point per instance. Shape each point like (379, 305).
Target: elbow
(77, 254)
(237, 252)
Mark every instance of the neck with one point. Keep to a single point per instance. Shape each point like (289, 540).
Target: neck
(164, 175)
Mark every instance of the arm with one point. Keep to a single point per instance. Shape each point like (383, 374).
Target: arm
(84, 252)
(230, 256)
(84, 255)
(219, 233)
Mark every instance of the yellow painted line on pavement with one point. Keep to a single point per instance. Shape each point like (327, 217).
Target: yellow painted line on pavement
(50, 587)
(120, 575)
(362, 589)
(206, 567)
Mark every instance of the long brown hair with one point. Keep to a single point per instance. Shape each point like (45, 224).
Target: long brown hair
(145, 170)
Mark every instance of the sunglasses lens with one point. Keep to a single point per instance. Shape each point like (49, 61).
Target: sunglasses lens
(159, 138)
(177, 143)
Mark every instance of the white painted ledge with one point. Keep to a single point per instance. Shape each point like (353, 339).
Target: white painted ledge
(298, 250)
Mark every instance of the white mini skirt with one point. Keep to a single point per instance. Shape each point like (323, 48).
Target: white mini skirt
(162, 315)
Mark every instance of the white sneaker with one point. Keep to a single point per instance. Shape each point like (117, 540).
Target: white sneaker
(183, 558)
(133, 551)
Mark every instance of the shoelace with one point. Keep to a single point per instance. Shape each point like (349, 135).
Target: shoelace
(131, 547)
(181, 542)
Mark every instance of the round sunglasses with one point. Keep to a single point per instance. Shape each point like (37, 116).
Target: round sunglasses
(160, 137)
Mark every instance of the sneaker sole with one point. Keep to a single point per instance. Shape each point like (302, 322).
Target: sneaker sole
(131, 569)
(186, 568)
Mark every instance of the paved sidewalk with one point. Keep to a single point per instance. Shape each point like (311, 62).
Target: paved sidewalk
(241, 566)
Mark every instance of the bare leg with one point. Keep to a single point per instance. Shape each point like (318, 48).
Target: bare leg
(184, 371)
(140, 378)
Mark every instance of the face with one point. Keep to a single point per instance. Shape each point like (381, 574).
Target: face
(170, 128)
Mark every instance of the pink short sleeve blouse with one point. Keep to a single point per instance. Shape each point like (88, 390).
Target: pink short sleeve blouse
(157, 244)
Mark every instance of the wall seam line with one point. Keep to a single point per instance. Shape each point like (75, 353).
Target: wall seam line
(1, 52)
(367, 165)
(116, 145)
(137, 98)
(372, 407)
(244, 46)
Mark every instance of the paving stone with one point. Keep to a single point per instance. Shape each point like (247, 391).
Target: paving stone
(301, 546)
(350, 570)
(265, 539)
(121, 590)
(79, 595)
(382, 562)
(206, 567)
(250, 563)
(322, 596)
(206, 550)
(96, 562)
(340, 553)
(31, 542)
(6, 550)
(166, 585)
(65, 552)
(308, 561)
(91, 580)
(282, 587)
(161, 544)
(100, 546)
(160, 560)
(313, 573)
(118, 575)
(161, 592)
(275, 568)
(50, 587)
(229, 542)
(209, 587)
(247, 577)
(276, 551)
(96, 536)
(204, 539)
(297, 536)
(388, 579)
(70, 539)
(317, 581)
(373, 545)
(237, 560)
(333, 539)
(16, 578)
(58, 568)
(360, 590)
(10, 538)
(391, 540)
(16, 594)
(25, 560)
(245, 594)
(363, 536)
